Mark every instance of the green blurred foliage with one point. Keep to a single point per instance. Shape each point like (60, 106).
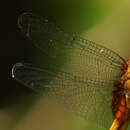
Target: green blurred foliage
(74, 15)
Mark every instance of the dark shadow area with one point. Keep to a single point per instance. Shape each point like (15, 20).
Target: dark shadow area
(13, 48)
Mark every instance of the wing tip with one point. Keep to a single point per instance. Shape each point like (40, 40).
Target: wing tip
(15, 67)
(21, 18)
(24, 23)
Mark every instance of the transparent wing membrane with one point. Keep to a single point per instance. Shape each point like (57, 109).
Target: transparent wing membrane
(80, 56)
(89, 99)
(49, 38)
(85, 81)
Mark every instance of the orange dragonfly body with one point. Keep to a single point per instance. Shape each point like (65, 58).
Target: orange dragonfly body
(121, 100)
(101, 93)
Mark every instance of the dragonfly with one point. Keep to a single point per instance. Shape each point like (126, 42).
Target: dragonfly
(92, 81)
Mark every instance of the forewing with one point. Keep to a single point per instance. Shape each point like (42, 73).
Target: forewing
(89, 99)
(79, 56)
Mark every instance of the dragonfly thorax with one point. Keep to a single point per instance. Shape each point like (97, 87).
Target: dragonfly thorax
(126, 78)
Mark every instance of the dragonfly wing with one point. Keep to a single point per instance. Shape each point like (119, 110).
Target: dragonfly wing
(93, 69)
(80, 56)
(89, 99)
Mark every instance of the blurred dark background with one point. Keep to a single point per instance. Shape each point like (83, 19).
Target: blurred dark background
(14, 48)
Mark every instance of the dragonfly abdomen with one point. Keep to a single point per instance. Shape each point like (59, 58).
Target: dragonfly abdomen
(120, 114)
